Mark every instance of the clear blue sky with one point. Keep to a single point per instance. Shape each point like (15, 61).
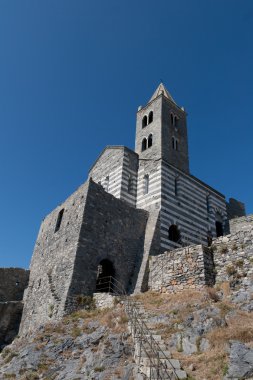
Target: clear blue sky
(72, 74)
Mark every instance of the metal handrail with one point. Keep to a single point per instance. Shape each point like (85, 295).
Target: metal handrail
(138, 326)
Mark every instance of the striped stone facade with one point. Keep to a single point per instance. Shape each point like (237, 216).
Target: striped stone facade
(183, 200)
(156, 176)
(116, 170)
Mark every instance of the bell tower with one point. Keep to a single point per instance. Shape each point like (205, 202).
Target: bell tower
(161, 131)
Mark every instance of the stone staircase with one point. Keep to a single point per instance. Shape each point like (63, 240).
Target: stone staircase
(154, 360)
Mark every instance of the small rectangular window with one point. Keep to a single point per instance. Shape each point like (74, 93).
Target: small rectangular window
(176, 187)
(208, 204)
(59, 220)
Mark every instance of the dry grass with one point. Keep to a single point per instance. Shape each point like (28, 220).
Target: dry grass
(209, 365)
(170, 302)
(240, 327)
(212, 294)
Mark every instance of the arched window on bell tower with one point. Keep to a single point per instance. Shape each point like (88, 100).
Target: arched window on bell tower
(144, 121)
(150, 117)
(150, 140)
(144, 144)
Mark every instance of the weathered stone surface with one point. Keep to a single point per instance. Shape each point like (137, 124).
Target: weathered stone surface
(10, 316)
(184, 268)
(241, 362)
(13, 282)
(96, 354)
(103, 300)
(95, 226)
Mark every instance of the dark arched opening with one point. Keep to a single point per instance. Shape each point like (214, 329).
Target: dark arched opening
(144, 121)
(172, 119)
(219, 228)
(219, 224)
(209, 238)
(144, 145)
(150, 140)
(105, 276)
(174, 233)
(150, 117)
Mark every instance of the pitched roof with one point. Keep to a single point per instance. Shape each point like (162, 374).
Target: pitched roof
(161, 89)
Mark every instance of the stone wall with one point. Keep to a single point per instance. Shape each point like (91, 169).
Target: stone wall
(229, 259)
(184, 268)
(95, 226)
(10, 316)
(233, 254)
(53, 262)
(111, 230)
(235, 208)
(241, 224)
(103, 300)
(13, 282)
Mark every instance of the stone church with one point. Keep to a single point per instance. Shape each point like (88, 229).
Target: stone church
(135, 204)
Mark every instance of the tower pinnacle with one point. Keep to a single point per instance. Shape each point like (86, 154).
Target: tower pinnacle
(161, 89)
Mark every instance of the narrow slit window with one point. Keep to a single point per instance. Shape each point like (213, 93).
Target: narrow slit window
(129, 185)
(208, 203)
(59, 220)
(106, 187)
(146, 184)
(172, 119)
(176, 186)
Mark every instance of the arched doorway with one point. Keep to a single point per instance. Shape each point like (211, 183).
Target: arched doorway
(105, 276)
(219, 229)
(174, 233)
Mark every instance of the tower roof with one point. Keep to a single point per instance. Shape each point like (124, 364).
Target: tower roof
(161, 89)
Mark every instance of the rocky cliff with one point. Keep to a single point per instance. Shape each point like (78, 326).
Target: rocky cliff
(210, 332)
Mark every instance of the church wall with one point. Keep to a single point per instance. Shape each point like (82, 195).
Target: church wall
(151, 200)
(110, 230)
(129, 173)
(188, 209)
(109, 164)
(52, 263)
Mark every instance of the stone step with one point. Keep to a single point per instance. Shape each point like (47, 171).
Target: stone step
(172, 364)
(164, 354)
(155, 373)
